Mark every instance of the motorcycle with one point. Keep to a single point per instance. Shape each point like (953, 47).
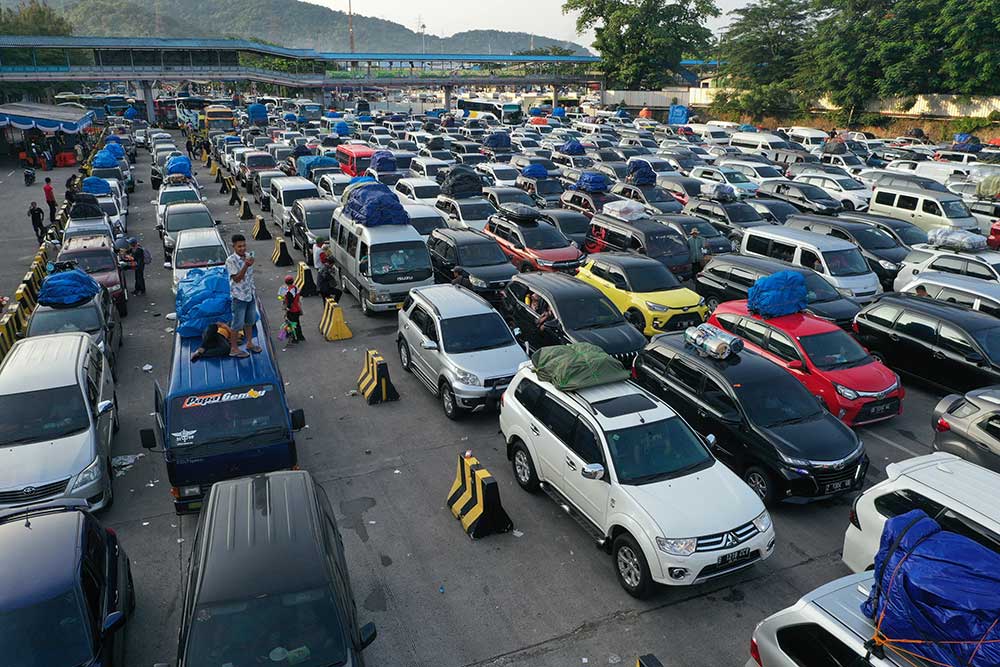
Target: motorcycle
(29, 177)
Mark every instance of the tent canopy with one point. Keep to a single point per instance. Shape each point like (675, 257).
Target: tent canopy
(45, 117)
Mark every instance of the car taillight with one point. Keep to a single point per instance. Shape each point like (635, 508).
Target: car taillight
(111, 532)
(755, 652)
(942, 425)
(854, 326)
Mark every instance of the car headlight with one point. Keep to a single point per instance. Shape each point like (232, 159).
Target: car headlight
(791, 460)
(888, 266)
(379, 297)
(701, 301)
(763, 522)
(465, 377)
(542, 262)
(656, 307)
(683, 546)
(846, 392)
(90, 474)
(843, 291)
(478, 282)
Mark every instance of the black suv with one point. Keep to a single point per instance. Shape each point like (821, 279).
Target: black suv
(715, 242)
(580, 314)
(730, 277)
(240, 603)
(768, 428)
(66, 588)
(882, 252)
(729, 217)
(773, 210)
(802, 196)
(644, 237)
(572, 224)
(906, 234)
(487, 268)
(940, 343)
(545, 191)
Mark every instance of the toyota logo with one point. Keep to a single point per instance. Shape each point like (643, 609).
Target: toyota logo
(27, 491)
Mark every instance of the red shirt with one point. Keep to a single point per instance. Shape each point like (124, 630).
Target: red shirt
(50, 195)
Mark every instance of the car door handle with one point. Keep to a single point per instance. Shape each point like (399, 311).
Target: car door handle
(406, 326)
(894, 338)
(570, 463)
(938, 354)
(534, 429)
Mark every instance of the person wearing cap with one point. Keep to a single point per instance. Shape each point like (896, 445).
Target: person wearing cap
(696, 247)
(139, 258)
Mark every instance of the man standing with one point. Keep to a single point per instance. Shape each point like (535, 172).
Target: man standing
(37, 216)
(190, 148)
(239, 265)
(50, 199)
(696, 247)
(139, 257)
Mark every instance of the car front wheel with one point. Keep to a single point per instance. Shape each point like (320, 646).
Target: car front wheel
(631, 567)
(760, 481)
(404, 355)
(449, 403)
(524, 468)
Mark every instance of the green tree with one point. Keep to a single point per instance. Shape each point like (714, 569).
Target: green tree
(641, 42)
(971, 31)
(546, 51)
(33, 18)
(760, 46)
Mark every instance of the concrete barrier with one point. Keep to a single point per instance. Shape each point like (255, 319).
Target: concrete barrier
(374, 383)
(474, 500)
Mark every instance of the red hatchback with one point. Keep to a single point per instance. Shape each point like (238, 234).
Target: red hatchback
(827, 360)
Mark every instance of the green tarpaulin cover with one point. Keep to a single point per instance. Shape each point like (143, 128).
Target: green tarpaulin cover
(576, 366)
(989, 187)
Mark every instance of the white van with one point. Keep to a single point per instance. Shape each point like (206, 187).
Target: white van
(839, 261)
(710, 134)
(757, 142)
(286, 191)
(926, 209)
(939, 171)
(378, 265)
(809, 137)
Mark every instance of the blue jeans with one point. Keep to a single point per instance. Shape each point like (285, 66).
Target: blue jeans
(244, 314)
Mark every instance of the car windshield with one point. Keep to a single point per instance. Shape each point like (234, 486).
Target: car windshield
(259, 161)
(588, 312)
(476, 210)
(955, 208)
(528, 143)
(46, 414)
(194, 220)
(403, 257)
(425, 224)
(549, 165)
(665, 243)
(20, 633)
(911, 234)
(289, 197)
(543, 237)
(95, 261)
(253, 414)
(768, 172)
(60, 320)
(109, 207)
(989, 339)
(504, 174)
(173, 196)
(740, 212)
(406, 146)
(301, 628)
(426, 191)
(705, 229)
(848, 262)
(481, 254)
(780, 209)
(735, 177)
(871, 238)
(852, 160)
(319, 220)
(818, 290)
(849, 184)
(655, 195)
(518, 196)
(834, 350)
(811, 191)
(777, 399)
(474, 333)
(194, 256)
(548, 187)
(656, 451)
(651, 278)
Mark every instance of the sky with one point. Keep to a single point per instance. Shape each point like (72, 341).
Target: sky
(446, 17)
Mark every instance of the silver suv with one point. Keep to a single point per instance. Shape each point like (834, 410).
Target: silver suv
(457, 345)
(58, 414)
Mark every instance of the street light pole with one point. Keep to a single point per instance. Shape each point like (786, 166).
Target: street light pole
(350, 24)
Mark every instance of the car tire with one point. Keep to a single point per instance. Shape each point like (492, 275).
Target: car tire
(631, 567)
(122, 307)
(404, 355)
(449, 403)
(524, 468)
(761, 482)
(636, 319)
(366, 308)
(848, 205)
(711, 303)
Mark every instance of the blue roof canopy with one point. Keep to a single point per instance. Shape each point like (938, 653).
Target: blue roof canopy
(45, 117)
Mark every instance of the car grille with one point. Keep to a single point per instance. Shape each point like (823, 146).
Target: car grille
(863, 295)
(824, 477)
(872, 410)
(30, 494)
(681, 322)
(728, 539)
(499, 285)
(715, 569)
(498, 382)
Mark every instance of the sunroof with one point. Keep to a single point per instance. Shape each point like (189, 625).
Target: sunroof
(623, 405)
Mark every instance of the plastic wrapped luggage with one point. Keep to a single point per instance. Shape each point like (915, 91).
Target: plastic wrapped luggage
(435, 144)
(572, 147)
(116, 149)
(342, 128)
(375, 205)
(104, 160)
(112, 139)
(462, 182)
(718, 191)
(989, 188)
(577, 366)
(955, 239)
(67, 289)
(305, 164)
(592, 181)
(936, 595)
(301, 150)
(257, 113)
(711, 341)
(834, 147)
(85, 205)
(559, 112)
(95, 186)
(180, 165)
(625, 209)
(535, 171)
(203, 297)
(383, 161)
(781, 293)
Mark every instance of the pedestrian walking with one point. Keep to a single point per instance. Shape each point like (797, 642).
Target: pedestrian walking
(696, 248)
(239, 265)
(291, 298)
(37, 216)
(190, 148)
(139, 257)
(50, 199)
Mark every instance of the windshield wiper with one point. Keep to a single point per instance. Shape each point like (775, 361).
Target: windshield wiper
(237, 439)
(792, 420)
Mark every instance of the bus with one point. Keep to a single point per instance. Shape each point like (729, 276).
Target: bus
(115, 105)
(61, 98)
(165, 109)
(307, 109)
(217, 117)
(508, 113)
(189, 110)
(95, 103)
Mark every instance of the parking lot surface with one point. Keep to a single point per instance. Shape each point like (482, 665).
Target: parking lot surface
(540, 595)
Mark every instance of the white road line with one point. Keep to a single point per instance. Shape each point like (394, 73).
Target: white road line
(891, 443)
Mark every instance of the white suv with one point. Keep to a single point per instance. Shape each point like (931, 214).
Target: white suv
(637, 477)
(961, 496)
(982, 264)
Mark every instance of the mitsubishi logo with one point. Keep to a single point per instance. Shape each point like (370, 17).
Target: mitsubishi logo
(729, 541)
(27, 491)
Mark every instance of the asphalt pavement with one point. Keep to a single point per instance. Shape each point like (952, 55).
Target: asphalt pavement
(541, 595)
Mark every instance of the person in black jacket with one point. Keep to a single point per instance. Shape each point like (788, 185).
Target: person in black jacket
(139, 257)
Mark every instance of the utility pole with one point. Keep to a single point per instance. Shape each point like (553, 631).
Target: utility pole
(422, 28)
(350, 24)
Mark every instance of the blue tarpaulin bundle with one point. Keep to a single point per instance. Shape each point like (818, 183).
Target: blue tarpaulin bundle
(203, 298)
(497, 140)
(748, 128)
(592, 181)
(535, 171)
(678, 114)
(342, 128)
(640, 173)
(383, 161)
(130, 113)
(301, 120)
(965, 138)
(572, 147)
(231, 139)
(968, 147)
(112, 139)
(364, 118)
(396, 118)
(67, 288)
(559, 112)
(936, 594)
(289, 117)
(257, 113)
(781, 293)
(305, 164)
(179, 164)
(116, 149)
(104, 160)
(93, 185)
(375, 205)
(534, 111)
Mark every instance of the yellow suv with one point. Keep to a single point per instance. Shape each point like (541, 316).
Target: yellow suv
(646, 292)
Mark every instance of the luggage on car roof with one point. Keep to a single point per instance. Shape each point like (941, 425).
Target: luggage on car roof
(956, 239)
(576, 366)
(374, 205)
(461, 182)
(67, 289)
(781, 293)
(516, 212)
(203, 298)
(534, 171)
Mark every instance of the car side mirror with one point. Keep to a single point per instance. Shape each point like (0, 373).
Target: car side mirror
(795, 365)
(147, 438)
(104, 407)
(975, 358)
(217, 222)
(152, 202)
(159, 228)
(710, 440)
(429, 345)
(298, 418)
(112, 623)
(592, 471)
(363, 266)
(366, 635)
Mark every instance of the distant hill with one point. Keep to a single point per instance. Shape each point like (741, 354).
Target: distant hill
(291, 23)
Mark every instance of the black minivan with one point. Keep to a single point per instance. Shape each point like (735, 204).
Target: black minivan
(882, 251)
(644, 237)
(267, 580)
(768, 428)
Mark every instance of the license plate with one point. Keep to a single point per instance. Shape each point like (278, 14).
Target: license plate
(833, 487)
(881, 409)
(726, 559)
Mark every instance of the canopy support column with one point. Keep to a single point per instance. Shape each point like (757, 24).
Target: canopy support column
(147, 96)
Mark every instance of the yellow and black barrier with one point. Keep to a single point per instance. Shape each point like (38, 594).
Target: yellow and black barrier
(8, 334)
(280, 256)
(260, 231)
(245, 212)
(23, 295)
(648, 660)
(332, 324)
(32, 282)
(19, 315)
(374, 383)
(474, 500)
(304, 280)
(234, 192)
(223, 187)
(214, 171)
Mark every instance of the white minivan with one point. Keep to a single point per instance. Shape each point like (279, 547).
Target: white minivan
(839, 261)
(757, 142)
(285, 191)
(927, 209)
